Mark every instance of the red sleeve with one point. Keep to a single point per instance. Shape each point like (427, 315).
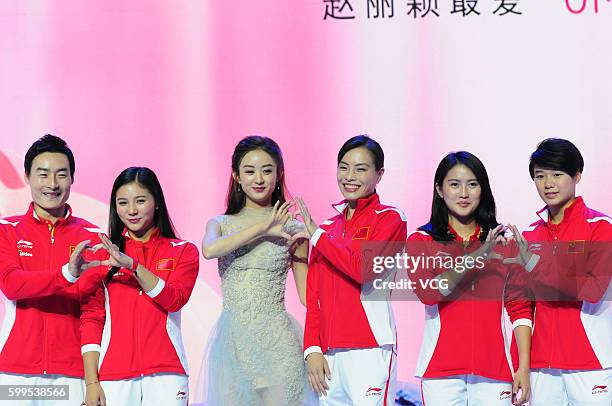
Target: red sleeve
(313, 312)
(419, 244)
(577, 270)
(177, 289)
(93, 312)
(518, 299)
(17, 284)
(388, 239)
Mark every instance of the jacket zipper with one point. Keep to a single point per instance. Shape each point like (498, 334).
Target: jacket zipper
(138, 355)
(555, 319)
(333, 295)
(45, 332)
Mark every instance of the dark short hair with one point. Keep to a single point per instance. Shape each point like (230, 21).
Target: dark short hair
(557, 154)
(367, 142)
(48, 143)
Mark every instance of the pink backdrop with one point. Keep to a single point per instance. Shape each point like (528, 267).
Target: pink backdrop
(173, 85)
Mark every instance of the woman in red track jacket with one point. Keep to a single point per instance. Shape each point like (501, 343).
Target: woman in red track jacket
(567, 259)
(463, 357)
(130, 324)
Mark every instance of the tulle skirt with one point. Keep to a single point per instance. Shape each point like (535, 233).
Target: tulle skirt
(254, 361)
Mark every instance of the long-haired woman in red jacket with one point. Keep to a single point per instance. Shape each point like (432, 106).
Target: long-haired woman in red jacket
(464, 358)
(131, 322)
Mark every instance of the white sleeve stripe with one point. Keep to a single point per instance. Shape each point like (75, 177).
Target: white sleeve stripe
(315, 237)
(533, 261)
(445, 292)
(311, 349)
(522, 322)
(95, 230)
(601, 218)
(327, 222)
(90, 348)
(395, 209)
(157, 289)
(68, 275)
(3, 221)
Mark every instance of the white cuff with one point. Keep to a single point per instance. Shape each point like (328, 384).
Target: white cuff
(90, 348)
(311, 349)
(533, 261)
(315, 237)
(157, 289)
(444, 292)
(68, 275)
(522, 322)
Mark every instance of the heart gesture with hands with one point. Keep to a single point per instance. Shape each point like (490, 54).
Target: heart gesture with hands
(311, 226)
(495, 236)
(78, 264)
(273, 226)
(524, 255)
(116, 257)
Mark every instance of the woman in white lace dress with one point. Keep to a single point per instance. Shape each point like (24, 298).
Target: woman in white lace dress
(254, 355)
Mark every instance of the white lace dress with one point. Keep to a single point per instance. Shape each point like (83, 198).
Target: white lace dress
(254, 354)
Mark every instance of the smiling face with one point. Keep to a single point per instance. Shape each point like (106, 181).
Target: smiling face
(50, 183)
(461, 192)
(556, 188)
(257, 178)
(136, 208)
(357, 175)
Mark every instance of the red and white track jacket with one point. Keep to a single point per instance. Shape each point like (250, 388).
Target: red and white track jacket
(40, 333)
(575, 258)
(464, 328)
(336, 316)
(139, 333)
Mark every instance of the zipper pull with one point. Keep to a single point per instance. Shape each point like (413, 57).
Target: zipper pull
(139, 292)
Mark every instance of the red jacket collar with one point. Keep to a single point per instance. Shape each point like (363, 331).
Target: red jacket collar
(474, 237)
(31, 214)
(364, 202)
(575, 209)
(152, 239)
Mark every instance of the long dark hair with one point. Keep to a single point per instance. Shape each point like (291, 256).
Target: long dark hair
(236, 198)
(147, 179)
(484, 215)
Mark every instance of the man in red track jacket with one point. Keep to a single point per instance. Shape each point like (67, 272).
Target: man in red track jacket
(349, 339)
(41, 257)
(568, 260)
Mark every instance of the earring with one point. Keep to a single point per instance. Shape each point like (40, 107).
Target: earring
(278, 186)
(239, 188)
